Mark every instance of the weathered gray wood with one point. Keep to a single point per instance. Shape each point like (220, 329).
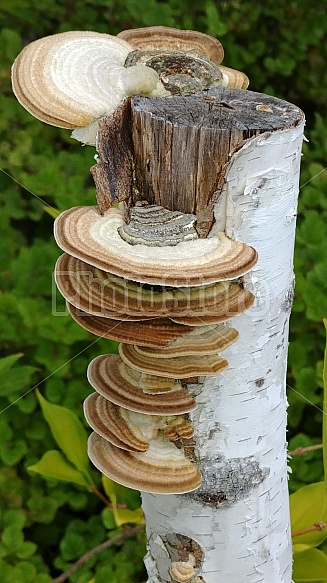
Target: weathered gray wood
(174, 151)
(182, 144)
(113, 174)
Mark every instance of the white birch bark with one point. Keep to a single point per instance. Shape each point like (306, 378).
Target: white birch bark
(240, 421)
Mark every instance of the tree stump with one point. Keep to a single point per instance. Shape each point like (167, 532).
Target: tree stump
(232, 157)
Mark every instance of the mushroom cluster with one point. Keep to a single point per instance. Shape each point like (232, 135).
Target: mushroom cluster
(139, 275)
(164, 294)
(73, 79)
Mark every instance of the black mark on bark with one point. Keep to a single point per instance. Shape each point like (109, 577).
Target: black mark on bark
(226, 481)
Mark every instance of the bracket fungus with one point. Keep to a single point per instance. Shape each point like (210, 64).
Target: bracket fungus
(122, 385)
(183, 571)
(73, 79)
(148, 278)
(132, 430)
(163, 468)
(154, 332)
(161, 38)
(203, 340)
(49, 77)
(142, 276)
(108, 421)
(180, 367)
(94, 238)
(104, 294)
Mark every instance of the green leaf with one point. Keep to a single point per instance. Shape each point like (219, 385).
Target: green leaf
(7, 362)
(16, 379)
(42, 508)
(324, 417)
(28, 570)
(110, 487)
(121, 515)
(43, 578)
(12, 537)
(124, 515)
(108, 518)
(308, 507)
(54, 465)
(69, 434)
(11, 452)
(14, 516)
(311, 565)
(26, 550)
(72, 546)
(11, 574)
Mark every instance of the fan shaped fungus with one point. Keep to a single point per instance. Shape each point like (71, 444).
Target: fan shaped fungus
(163, 468)
(94, 238)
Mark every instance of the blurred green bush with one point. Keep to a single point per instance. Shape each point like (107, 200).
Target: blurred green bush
(282, 48)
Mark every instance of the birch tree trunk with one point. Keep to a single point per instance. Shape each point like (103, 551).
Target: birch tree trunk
(233, 158)
(237, 523)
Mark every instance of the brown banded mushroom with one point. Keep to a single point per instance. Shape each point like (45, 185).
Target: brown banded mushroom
(236, 301)
(153, 384)
(102, 294)
(161, 38)
(130, 430)
(183, 571)
(87, 293)
(120, 384)
(154, 332)
(155, 226)
(108, 420)
(162, 469)
(202, 340)
(234, 78)
(178, 367)
(179, 428)
(72, 78)
(94, 238)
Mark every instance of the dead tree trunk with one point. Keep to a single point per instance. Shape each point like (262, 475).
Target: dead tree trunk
(232, 157)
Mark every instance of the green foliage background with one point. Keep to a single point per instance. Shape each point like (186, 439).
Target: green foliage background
(45, 524)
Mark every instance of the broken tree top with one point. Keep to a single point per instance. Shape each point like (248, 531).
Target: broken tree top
(176, 150)
(213, 122)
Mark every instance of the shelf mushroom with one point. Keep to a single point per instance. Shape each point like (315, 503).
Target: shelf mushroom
(73, 79)
(203, 340)
(163, 37)
(130, 430)
(122, 385)
(156, 255)
(183, 571)
(147, 41)
(153, 332)
(180, 367)
(109, 421)
(103, 294)
(94, 238)
(163, 468)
